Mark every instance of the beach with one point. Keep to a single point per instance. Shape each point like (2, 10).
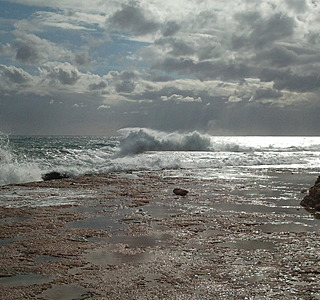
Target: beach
(126, 235)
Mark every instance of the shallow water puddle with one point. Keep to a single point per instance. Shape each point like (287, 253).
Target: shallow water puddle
(285, 227)
(248, 245)
(105, 257)
(64, 292)
(140, 241)
(256, 208)
(10, 240)
(160, 211)
(98, 223)
(143, 241)
(25, 280)
(9, 220)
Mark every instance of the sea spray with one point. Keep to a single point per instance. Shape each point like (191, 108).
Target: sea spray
(139, 140)
(26, 158)
(15, 169)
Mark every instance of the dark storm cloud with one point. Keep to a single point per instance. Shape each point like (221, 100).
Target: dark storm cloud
(278, 56)
(158, 77)
(97, 86)
(82, 59)
(295, 82)
(134, 19)
(170, 92)
(267, 93)
(288, 56)
(286, 79)
(125, 86)
(205, 69)
(276, 27)
(262, 31)
(125, 82)
(313, 37)
(32, 50)
(14, 75)
(170, 28)
(178, 47)
(27, 52)
(65, 73)
(299, 6)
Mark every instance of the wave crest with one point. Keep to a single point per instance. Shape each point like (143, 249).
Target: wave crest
(139, 140)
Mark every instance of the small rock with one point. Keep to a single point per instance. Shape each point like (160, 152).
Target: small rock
(54, 175)
(180, 192)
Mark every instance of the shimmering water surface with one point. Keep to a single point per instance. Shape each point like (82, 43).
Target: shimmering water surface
(240, 159)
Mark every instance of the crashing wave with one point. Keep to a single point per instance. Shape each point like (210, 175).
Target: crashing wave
(139, 140)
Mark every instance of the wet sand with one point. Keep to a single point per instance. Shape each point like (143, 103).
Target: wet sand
(127, 236)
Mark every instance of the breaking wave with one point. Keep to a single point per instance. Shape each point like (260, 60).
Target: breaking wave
(15, 168)
(136, 141)
(27, 158)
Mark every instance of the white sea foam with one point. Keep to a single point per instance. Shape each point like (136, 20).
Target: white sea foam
(139, 140)
(18, 173)
(11, 169)
(24, 159)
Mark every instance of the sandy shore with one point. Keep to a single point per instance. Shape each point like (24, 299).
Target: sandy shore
(127, 236)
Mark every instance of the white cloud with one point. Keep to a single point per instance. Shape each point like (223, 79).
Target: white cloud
(30, 49)
(179, 98)
(63, 73)
(63, 20)
(78, 5)
(14, 76)
(134, 19)
(104, 107)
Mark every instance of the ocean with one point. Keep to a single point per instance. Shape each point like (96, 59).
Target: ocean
(28, 158)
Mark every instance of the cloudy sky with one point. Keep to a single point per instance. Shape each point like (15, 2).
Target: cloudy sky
(241, 67)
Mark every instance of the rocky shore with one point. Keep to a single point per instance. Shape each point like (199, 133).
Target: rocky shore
(128, 236)
(312, 200)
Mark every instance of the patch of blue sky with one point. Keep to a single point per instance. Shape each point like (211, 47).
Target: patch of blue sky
(72, 38)
(6, 36)
(5, 60)
(118, 54)
(121, 46)
(17, 11)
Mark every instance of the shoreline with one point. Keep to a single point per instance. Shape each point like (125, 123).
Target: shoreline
(127, 236)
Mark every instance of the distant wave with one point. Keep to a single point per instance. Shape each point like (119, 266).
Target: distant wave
(139, 140)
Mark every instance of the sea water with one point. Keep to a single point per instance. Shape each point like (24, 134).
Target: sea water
(27, 158)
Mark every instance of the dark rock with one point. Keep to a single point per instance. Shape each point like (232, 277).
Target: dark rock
(54, 175)
(312, 200)
(180, 192)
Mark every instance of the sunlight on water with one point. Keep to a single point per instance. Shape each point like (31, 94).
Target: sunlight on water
(24, 159)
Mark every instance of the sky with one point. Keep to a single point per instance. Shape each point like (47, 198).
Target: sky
(79, 67)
